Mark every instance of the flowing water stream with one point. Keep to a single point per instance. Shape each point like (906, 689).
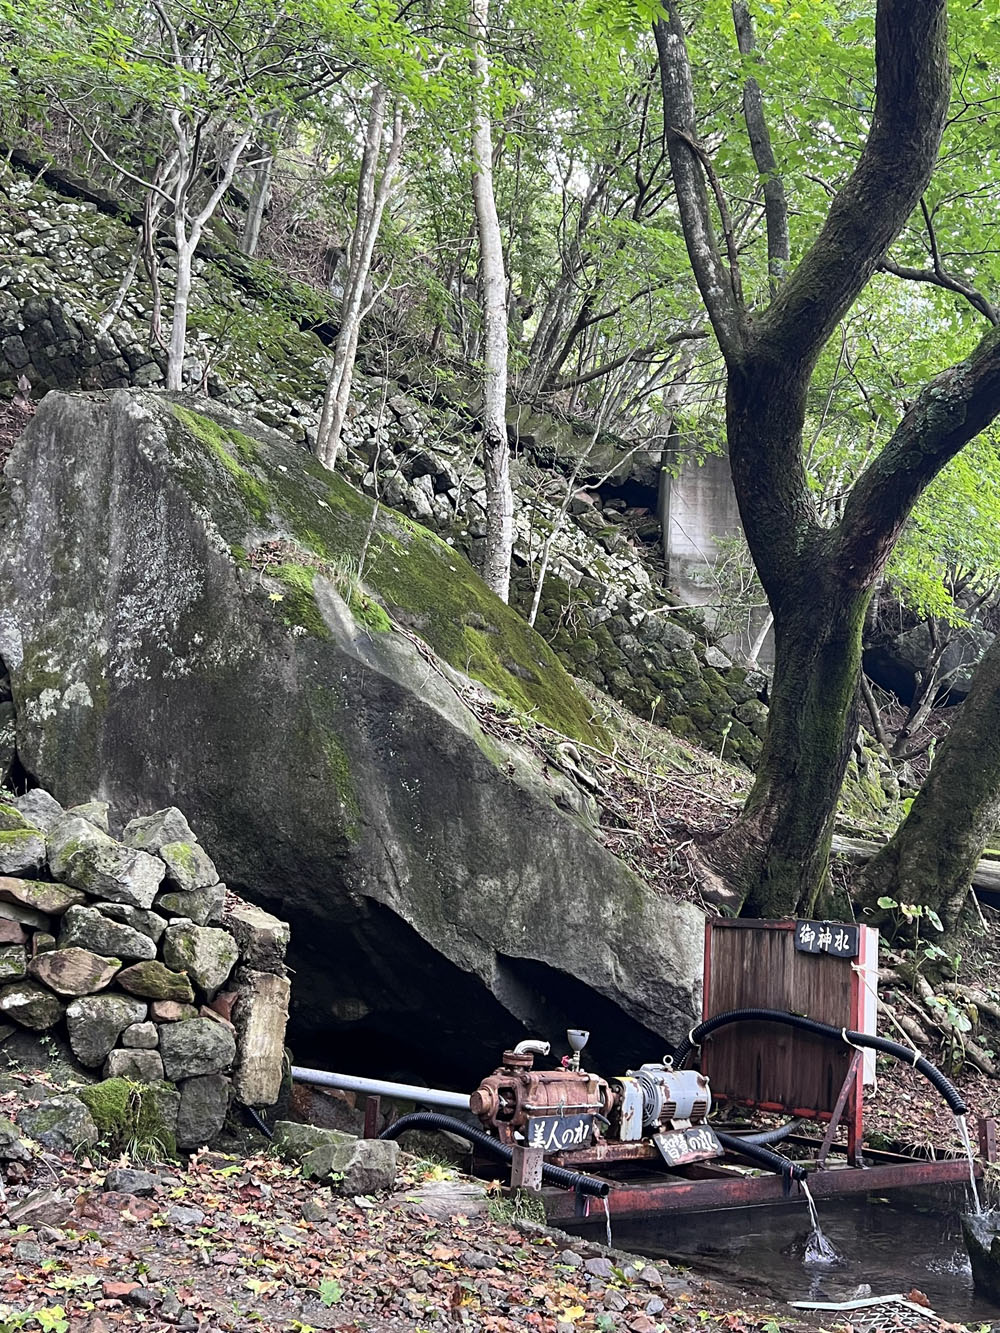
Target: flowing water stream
(818, 1248)
(963, 1133)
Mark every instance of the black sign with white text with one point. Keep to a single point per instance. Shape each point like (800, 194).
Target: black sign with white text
(557, 1133)
(827, 937)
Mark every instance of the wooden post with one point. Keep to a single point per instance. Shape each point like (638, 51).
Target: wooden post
(988, 1139)
(373, 1111)
(526, 1168)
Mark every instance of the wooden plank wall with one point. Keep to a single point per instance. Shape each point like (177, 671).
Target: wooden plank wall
(750, 965)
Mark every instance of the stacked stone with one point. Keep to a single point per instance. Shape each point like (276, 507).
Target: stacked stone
(154, 970)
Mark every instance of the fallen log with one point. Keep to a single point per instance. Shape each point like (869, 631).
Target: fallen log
(986, 875)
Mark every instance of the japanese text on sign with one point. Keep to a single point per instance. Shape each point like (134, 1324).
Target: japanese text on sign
(826, 937)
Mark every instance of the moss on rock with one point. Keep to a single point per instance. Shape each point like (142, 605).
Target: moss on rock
(134, 1118)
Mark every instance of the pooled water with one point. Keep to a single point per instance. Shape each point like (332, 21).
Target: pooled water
(818, 1248)
(963, 1134)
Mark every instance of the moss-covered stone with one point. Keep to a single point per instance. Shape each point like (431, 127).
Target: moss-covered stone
(138, 1119)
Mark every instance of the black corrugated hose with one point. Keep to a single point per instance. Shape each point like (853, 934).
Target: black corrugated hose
(934, 1076)
(762, 1156)
(554, 1175)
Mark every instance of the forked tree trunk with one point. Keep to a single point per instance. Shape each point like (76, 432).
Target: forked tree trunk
(496, 451)
(930, 859)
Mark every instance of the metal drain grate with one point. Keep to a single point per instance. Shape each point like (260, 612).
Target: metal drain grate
(883, 1314)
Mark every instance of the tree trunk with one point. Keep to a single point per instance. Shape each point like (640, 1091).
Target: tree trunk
(255, 209)
(496, 451)
(931, 858)
(775, 854)
(373, 195)
(179, 316)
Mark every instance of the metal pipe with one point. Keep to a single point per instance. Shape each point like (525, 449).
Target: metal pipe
(409, 1092)
(534, 1046)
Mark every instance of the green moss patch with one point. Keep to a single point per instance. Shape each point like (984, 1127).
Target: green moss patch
(132, 1118)
(229, 446)
(402, 572)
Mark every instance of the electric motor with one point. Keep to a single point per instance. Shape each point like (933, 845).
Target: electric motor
(655, 1097)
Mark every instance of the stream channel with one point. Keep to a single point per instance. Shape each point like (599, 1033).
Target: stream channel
(890, 1246)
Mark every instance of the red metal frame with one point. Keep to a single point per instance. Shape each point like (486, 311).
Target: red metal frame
(730, 1190)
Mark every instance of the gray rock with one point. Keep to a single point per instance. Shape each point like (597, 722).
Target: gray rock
(95, 1022)
(150, 832)
(91, 929)
(260, 1016)
(31, 1005)
(46, 899)
(146, 923)
(39, 808)
(361, 805)
(94, 811)
(21, 851)
(28, 1252)
(199, 905)
(41, 1208)
(317, 1164)
(204, 1103)
(366, 1166)
(74, 971)
(13, 962)
(205, 953)
(599, 1267)
(196, 1046)
(84, 857)
(570, 1258)
(24, 916)
(154, 981)
(12, 1148)
(141, 1037)
(189, 866)
(184, 1217)
(292, 1140)
(61, 1124)
(263, 938)
(127, 1180)
(141, 1066)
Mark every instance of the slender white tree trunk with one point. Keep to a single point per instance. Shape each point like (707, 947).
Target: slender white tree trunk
(267, 151)
(374, 192)
(178, 321)
(188, 232)
(496, 452)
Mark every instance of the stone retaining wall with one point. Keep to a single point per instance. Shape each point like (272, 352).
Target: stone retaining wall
(134, 950)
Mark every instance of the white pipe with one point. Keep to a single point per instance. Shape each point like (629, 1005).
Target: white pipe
(402, 1091)
(534, 1046)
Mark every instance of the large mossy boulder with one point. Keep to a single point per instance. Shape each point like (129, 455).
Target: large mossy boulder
(184, 624)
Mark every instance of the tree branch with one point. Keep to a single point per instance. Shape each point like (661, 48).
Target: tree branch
(775, 203)
(687, 164)
(866, 215)
(949, 412)
(939, 277)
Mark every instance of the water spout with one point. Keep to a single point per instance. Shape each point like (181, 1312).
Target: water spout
(607, 1220)
(818, 1248)
(963, 1133)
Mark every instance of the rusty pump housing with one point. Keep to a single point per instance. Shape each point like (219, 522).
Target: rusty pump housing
(516, 1094)
(570, 1109)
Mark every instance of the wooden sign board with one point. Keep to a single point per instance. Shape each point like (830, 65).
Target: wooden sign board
(557, 1133)
(762, 964)
(679, 1146)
